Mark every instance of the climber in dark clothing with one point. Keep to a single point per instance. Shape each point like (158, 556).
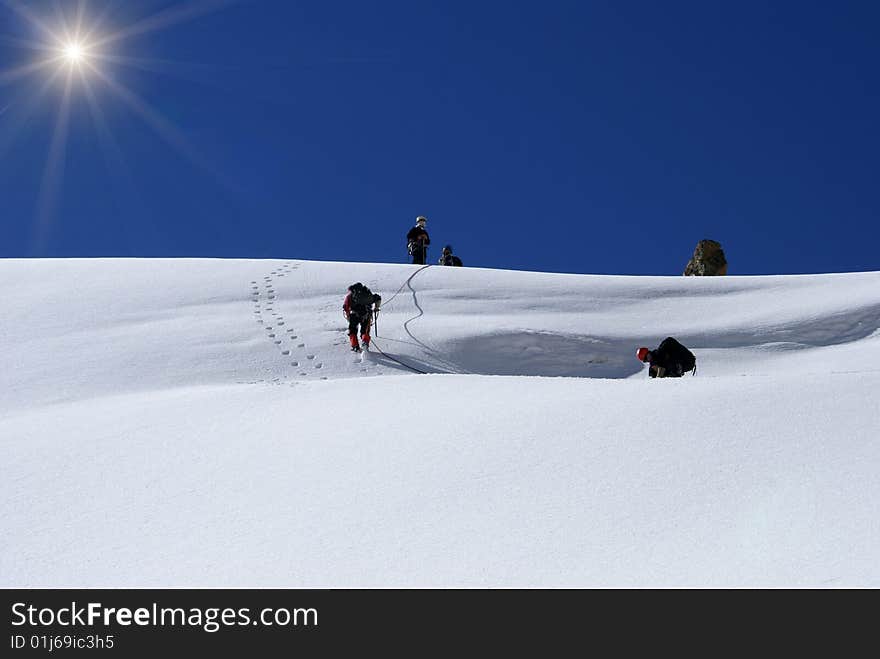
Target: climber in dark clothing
(669, 360)
(448, 258)
(417, 241)
(359, 306)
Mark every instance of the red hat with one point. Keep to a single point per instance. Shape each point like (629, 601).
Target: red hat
(642, 353)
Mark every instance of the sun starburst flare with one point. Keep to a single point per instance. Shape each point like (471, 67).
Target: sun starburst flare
(71, 48)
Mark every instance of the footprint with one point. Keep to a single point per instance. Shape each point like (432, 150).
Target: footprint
(268, 327)
(310, 356)
(294, 363)
(271, 336)
(278, 343)
(300, 345)
(319, 365)
(294, 337)
(280, 322)
(285, 352)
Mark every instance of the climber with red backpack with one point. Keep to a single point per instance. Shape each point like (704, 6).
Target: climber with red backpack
(359, 306)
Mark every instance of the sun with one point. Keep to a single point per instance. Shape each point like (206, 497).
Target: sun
(74, 53)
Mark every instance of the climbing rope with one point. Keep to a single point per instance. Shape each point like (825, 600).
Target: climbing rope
(405, 284)
(383, 353)
(394, 359)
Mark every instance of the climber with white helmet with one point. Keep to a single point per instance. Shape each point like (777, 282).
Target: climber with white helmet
(417, 241)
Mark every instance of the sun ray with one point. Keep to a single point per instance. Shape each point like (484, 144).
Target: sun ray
(174, 68)
(95, 23)
(166, 18)
(13, 127)
(32, 18)
(23, 43)
(80, 17)
(11, 75)
(113, 154)
(109, 146)
(141, 63)
(160, 125)
(198, 73)
(53, 171)
(61, 18)
(114, 158)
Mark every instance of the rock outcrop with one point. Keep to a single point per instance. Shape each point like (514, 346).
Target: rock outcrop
(708, 260)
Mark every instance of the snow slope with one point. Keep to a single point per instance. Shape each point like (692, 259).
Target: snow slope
(202, 423)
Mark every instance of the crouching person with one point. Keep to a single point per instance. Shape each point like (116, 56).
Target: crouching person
(448, 258)
(669, 360)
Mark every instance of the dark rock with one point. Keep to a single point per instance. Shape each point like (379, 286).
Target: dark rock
(708, 260)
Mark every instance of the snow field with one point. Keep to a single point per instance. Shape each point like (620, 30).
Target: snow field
(203, 423)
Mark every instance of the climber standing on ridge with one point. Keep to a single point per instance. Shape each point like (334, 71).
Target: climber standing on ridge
(417, 241)
(669, 360)
(448, 258)
(359, 306)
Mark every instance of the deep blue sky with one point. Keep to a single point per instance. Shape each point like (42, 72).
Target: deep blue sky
(555, 135)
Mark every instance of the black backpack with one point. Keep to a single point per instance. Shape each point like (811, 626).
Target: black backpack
(678, 354)
(361, 296)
